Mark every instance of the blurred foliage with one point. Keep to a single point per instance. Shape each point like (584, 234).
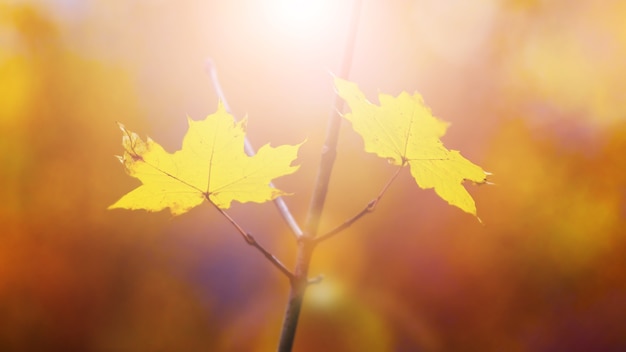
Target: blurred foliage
(534, 90)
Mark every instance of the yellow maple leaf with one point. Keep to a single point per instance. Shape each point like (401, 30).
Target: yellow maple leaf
(404, 131)
(211, 165)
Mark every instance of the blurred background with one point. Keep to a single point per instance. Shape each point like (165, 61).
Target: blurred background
(536, 94)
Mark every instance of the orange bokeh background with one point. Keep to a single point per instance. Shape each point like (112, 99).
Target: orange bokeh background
(535, 92)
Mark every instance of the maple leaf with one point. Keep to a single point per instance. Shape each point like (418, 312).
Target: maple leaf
(404, 131)
(211, 165)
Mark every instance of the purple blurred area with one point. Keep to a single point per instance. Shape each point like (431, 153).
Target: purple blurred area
(534, 91)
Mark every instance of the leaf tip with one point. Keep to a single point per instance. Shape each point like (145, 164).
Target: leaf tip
(114, 206)
(484, 180)
(220, 106)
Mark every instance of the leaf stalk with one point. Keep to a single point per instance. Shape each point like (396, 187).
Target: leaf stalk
(253, 242)
(370, 207)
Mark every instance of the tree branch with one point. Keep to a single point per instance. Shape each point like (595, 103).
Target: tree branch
(316, 205)
(253, 242)
(283, 209)
(368, 209)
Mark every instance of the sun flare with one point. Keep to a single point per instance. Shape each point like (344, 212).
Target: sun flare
(297, 17)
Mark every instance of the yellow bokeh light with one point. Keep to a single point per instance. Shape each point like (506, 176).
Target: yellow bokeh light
(15, 88)
(325, 294)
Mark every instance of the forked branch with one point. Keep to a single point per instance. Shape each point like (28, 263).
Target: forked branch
(316, 205)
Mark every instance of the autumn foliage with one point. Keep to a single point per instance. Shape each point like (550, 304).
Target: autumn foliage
(211, 165)
(404, 131)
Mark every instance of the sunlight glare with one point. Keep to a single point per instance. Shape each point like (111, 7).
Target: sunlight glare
(298, 18)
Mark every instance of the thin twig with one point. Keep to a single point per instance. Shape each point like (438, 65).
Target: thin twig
(329, 150)
(305, 243)
(368, 209)
(283, 209)
(253, 242)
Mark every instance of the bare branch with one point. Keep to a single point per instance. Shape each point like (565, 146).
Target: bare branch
(305, 243)
(368, 209)
(253, 242)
